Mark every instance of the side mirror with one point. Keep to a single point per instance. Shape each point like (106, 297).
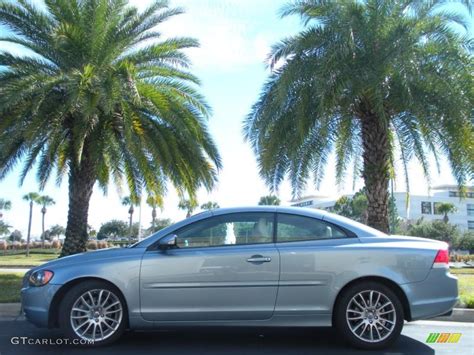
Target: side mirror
(168, 242)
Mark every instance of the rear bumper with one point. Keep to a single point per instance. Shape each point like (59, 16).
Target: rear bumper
(35, 303)
(432, 297)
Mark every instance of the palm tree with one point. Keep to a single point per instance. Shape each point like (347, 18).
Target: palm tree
(269, 200)
(101, 97)
(445, 208)
(154, 201)
(32, 198)
(366, 80)
(210, 205)
(130, 202)
(4, 205)
(188, 205)
(44, 201)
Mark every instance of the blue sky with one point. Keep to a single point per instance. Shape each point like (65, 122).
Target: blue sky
(235, 36)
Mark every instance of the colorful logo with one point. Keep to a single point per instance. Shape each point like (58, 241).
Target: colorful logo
(443, 337)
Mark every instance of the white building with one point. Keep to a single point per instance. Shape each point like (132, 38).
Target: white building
(418, 205)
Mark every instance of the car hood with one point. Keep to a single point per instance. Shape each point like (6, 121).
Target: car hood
(96, 255)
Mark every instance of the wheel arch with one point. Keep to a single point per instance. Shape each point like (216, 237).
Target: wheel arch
(386, 282)
(58, 296)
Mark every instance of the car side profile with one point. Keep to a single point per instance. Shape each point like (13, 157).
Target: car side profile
(254, 266)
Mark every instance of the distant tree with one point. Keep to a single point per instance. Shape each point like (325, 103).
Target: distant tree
(208, 206)
(465, 242)
(5, 205)
(270, 200)
(15, 236)
(445, 208)
(4, 228)
(56, 231)
(154, 201)
(438, 230)
(159, 224)
(130, 202)
(188, 205)
(31, 198)
(113, 229)
(44, 201)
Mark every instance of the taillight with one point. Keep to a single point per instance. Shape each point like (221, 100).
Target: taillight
(441, 259)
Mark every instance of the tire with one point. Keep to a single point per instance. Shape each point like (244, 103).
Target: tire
(377, 328)
(93, 313)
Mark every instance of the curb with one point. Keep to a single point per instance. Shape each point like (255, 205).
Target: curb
(11, 311)
(459, 315)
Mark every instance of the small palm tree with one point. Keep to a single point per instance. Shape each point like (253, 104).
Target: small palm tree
(270, 200)
(44, 201)
(100, 96)
(31, 198)
(445, 208)
(154, 201)
(365, 80)
(130, 202)
(208, 206)
(188, 205)
(5, 205)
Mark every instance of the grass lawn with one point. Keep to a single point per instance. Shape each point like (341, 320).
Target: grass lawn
(20, 259)
(466, 285)
(10, 285)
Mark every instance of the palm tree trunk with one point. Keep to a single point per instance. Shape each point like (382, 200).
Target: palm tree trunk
(81, 184)
(130, 228)
(29, 230)
(42, 227)
(376, 156)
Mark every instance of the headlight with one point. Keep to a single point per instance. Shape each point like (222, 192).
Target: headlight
(40, 277)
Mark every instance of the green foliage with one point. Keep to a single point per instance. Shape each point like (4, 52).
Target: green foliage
(31, 197)
(15, 236)
(4, 228)
(445, 208)
(355, 207)
(160, 223)
(465, 242)
(269, 200)
(113, 229)
(5, 204)
(56, 230)
(210, 205)
(438, 230)
(188, 205)
(399, 61)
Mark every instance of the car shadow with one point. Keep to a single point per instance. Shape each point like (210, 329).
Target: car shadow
(253, 341)
(204, 340)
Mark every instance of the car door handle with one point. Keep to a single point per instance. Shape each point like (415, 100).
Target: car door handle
(259, 259)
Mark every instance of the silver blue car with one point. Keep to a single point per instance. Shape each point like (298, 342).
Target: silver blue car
(257, 266)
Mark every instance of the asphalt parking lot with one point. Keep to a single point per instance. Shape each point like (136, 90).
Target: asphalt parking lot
(237, 341)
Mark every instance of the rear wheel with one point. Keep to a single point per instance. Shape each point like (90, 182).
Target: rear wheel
(93, 313)
(369, 315)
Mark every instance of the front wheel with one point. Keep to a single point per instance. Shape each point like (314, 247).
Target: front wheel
(93, 313)
(369, 315)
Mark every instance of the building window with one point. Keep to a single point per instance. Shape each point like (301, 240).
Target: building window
(470, 209)
(470, 225)
(426, 207)
(436, 207)
(303, 204)
(457, 194)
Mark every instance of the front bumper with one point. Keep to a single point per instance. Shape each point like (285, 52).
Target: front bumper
(434, 296)
(36, 302)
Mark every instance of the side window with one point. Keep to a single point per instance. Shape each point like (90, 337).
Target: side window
(293, 228)
(235, 228)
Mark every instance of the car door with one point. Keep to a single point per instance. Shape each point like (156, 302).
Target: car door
(311, 254)
(224, 268)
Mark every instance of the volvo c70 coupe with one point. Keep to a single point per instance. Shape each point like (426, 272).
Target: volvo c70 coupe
(256, 266)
